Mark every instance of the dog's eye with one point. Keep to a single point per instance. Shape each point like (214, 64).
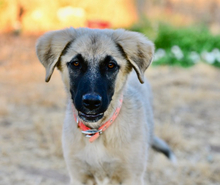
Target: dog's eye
(111, 65)
(75, 63)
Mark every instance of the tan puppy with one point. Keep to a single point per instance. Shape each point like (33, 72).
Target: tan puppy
(100, 70)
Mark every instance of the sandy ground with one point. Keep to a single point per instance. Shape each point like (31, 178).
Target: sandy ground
(187, 115)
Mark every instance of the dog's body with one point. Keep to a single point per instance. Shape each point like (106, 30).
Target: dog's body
(97, 69)
(120, 153)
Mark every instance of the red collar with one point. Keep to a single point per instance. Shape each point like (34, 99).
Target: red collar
(93, 134)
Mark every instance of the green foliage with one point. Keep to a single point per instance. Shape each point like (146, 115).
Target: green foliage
(188, 39)
(183, 46)
(170, 59)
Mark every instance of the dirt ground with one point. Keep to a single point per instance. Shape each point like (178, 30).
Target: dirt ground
(187, 115)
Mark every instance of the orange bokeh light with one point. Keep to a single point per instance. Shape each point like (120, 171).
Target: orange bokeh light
(38, 16)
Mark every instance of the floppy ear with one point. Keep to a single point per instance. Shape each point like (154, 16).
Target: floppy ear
(51, 46)
(136, 49)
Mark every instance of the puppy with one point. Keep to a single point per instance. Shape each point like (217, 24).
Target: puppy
(109, 119)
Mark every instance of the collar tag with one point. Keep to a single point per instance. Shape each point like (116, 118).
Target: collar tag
(91, 132)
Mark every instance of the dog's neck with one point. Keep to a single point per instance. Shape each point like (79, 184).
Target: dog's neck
(94, 133)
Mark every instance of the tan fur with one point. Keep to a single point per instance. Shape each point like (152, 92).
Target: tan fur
(119, 155)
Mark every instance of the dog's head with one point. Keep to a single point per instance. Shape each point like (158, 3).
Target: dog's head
(94, 64)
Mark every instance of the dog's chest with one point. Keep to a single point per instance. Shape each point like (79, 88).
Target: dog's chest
(96, 160)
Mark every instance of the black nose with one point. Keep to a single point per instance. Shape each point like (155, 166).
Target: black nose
(91, 101)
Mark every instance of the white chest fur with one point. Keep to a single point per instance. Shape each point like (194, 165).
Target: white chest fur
(96, 160)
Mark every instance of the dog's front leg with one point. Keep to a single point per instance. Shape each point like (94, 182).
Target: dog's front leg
(79, 179)
(85, 181)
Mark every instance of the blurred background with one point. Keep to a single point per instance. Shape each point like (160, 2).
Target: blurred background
(184, 77)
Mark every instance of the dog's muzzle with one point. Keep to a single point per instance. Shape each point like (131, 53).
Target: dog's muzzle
(93, 134)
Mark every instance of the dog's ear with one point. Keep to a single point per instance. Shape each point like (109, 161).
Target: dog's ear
(136, 49)
(51, 46)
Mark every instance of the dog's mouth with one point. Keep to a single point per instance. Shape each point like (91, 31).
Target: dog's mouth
(90, 117)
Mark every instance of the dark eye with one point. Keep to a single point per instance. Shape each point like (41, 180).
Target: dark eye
(111, 65)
